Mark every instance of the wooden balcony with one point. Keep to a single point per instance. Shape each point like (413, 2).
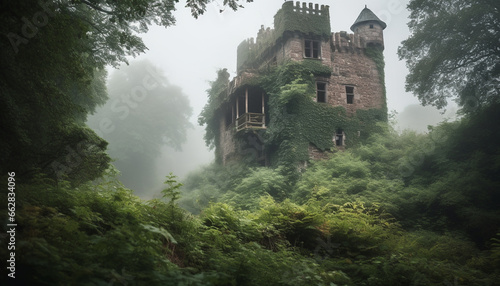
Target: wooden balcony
(251, 121)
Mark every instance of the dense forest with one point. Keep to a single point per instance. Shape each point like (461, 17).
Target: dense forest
(399, 208)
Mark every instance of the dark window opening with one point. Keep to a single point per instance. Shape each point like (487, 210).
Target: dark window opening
(371, 26)
(241, 106)
(339, 138)
(255, 103)
(349, 90)
(312, 49)
(320, 92)
(315, 49)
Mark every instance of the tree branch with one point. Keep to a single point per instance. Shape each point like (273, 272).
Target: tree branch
(98, 8)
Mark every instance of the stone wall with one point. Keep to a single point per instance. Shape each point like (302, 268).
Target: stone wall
(227, 143)
(371, 33)
(357, 70)
(344, 53)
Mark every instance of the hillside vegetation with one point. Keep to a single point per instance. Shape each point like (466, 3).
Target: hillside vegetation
(403, 209)
(395, 209)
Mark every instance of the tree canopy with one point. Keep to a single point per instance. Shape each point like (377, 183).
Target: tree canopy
(453, 52)
(53, 56)
(144, 113)
(216, 97)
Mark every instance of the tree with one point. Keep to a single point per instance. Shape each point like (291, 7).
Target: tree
(48, 85)
(53, 55)
(143, 114)
(453, 52)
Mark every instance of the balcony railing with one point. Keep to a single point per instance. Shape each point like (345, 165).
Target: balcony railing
(251, 121)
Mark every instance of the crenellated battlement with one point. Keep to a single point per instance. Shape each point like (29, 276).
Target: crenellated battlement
(309, 21)
(293, 17)
(308, 8)
(249, 49)
(344, 42)
(307, 18)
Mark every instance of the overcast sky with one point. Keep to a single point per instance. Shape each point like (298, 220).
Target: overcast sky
(193, 50)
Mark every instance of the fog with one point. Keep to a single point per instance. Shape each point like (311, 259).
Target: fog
(193, 50)
(417, 117)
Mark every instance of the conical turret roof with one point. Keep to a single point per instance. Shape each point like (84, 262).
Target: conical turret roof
(366, 16)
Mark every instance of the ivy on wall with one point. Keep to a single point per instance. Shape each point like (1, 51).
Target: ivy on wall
(377, 55)
(287, 19)
(217, 96)
(295, 118)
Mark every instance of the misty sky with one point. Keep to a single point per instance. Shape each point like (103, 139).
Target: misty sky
(193, 50)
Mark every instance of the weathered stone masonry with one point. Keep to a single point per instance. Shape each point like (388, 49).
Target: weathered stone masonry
(302, 31)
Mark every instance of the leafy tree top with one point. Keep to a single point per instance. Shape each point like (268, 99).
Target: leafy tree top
(453, 52)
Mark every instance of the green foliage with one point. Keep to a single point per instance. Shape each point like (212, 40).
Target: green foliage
(377, 55)
(54, 55)
(101, 233)
(459, 174)
(217, 95)
(395, 209)
(210, 183)
(360, 229)
(288, 221)
(453, 52)
(495, 250)
(260, 182)
(198, 7)
(171, 191)
(49, 84)
(296, 120)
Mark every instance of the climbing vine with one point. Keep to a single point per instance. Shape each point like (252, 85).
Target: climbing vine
(377, 55)
(289, 19)
(217, 95)
(295, 118)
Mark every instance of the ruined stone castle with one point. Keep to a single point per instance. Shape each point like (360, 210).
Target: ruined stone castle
(302, 33)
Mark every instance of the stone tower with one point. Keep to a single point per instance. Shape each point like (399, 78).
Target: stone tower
(353, 86)
(369, 28)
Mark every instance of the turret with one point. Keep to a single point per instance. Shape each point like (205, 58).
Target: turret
(369, 28)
